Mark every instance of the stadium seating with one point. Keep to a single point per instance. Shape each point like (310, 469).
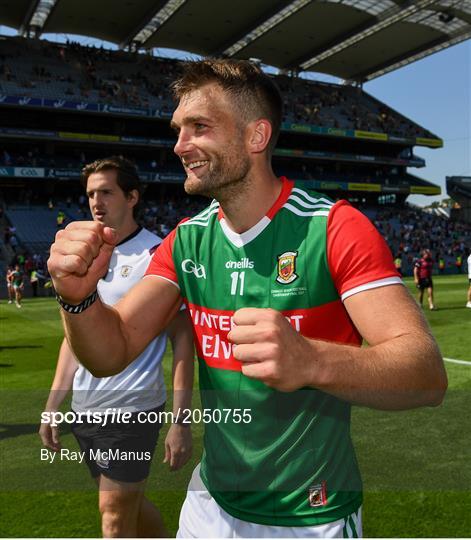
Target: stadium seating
(35, 227)
(120, 78)
(407, 231)
(410, 230)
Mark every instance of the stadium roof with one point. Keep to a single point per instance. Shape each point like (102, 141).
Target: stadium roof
(355, 40)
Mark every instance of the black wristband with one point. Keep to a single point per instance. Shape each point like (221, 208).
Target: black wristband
(79, 307)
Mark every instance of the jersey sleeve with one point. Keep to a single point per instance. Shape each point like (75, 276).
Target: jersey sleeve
(161, 263)
(358, 256)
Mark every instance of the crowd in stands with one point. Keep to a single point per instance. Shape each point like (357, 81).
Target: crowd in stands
(34, 157)
(327, 170)
(9, 237)
(161, 217)
(342, 107)
(36, 68)
(408, 231)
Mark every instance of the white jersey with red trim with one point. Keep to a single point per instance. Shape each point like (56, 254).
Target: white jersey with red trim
(140, 386)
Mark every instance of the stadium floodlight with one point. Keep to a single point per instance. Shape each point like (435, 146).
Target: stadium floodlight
(387, 18)
(39, 16)
(267, 25)
(158, 20)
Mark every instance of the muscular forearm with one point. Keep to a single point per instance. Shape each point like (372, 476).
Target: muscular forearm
(106, 339)
(97, 339)
(403, 373)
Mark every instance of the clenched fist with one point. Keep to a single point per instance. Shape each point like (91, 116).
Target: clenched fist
(271, 350)
(79, 258)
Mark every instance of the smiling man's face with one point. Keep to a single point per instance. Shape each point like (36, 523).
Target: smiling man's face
(211, 141)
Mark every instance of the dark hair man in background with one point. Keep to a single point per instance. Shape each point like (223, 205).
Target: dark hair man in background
(113, 190)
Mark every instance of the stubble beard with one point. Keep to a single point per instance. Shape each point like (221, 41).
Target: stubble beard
(226, 178)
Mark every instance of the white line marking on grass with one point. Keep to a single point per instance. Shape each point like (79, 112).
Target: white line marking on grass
(453, 361)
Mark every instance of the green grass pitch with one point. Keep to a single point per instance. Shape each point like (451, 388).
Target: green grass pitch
(416, 465)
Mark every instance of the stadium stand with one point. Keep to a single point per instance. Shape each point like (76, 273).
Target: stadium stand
(36, 68)
(80, 103)
(35, 227)
(459, 189)
(407, 231)
(410, 230)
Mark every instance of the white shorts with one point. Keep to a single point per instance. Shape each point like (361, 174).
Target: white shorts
(202, 517)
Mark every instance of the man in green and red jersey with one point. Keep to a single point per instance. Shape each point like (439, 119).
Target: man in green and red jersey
(282, 285)
(17, 280)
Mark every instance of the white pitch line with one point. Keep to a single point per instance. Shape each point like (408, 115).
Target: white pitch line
(453, 361)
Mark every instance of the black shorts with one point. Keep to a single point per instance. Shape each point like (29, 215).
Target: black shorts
(121, 451)
(425, 283)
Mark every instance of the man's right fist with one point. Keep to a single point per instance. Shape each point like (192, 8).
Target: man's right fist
(79, 258)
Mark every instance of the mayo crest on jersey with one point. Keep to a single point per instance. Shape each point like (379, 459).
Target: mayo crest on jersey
(293, 464)
(141, 385)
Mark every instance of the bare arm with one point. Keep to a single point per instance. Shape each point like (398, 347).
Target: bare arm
(181, 337)
(63, 378)
(106, 339)
(178, 443)
(65, 370)
(401, 369)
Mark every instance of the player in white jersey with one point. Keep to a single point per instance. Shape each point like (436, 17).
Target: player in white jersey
(113, 191)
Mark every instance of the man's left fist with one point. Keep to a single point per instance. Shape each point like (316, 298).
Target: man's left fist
(271, 350)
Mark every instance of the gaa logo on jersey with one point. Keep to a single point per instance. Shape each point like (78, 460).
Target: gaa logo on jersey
(190, 267)
(287, 267)
(318, 495)
(125, 270)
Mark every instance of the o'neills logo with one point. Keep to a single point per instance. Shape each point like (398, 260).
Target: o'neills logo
(287, 267)
(243, 263)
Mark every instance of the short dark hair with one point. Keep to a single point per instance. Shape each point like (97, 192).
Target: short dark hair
(255, 93)
(127, 176)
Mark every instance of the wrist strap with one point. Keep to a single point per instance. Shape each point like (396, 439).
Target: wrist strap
(79, 307)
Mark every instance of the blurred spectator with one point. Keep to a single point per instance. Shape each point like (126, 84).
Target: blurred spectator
(423, 278)
(60, 219)
(34, 280)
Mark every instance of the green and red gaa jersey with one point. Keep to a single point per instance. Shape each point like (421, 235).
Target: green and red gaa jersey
(293, 464)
